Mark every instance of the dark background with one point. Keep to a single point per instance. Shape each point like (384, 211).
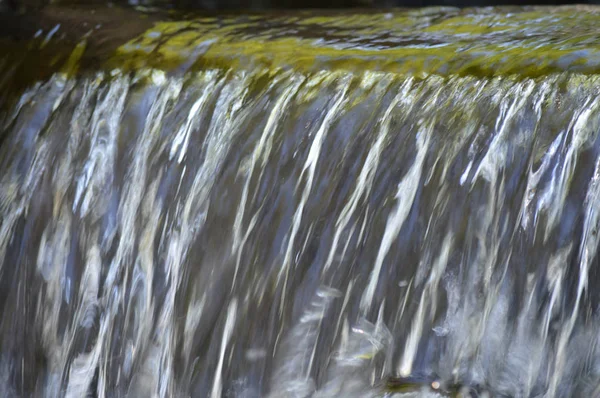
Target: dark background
(292, 4)
(374, 3)
(286, 4)
(25, 6)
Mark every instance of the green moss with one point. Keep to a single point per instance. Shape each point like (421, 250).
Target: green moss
(526, 42)
(529, 43)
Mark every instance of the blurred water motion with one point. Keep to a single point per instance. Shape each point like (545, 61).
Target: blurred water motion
(252, 232)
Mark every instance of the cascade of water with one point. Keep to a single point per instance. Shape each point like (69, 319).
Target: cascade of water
(280, 233)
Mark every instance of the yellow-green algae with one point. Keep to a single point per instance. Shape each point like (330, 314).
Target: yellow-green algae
(520, 41)
(530, 42)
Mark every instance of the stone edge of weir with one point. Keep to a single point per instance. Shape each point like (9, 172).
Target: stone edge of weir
(503, 41)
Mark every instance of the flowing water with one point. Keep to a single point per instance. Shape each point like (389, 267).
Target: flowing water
(271, 232)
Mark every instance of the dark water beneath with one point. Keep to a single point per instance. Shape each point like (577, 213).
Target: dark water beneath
(285, 234)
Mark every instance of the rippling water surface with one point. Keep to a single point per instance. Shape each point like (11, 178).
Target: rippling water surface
(251, 232)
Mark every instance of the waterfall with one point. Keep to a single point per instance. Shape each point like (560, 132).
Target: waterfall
(280, 232)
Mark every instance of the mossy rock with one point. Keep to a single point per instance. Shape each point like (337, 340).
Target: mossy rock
(516, 41)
